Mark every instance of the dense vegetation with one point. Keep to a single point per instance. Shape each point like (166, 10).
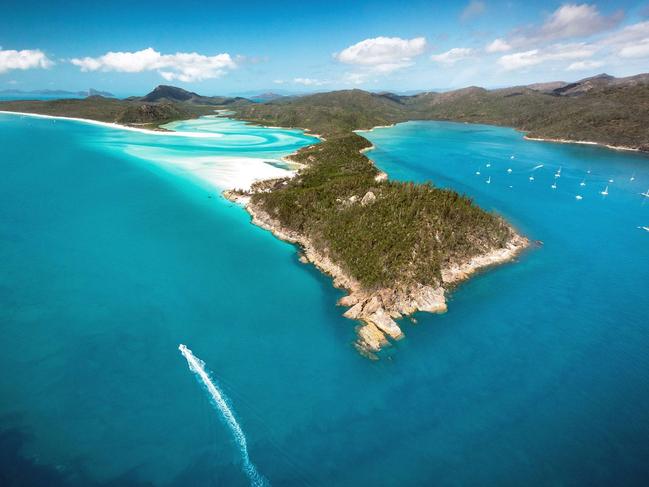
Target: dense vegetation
(164, 104)
(409, 232)
(601, 109)
(110, 109)
(384, 232)
(405, 233)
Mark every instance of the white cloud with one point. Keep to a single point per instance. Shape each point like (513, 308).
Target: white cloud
(182, 66)
(25, 59)
(520, 59)
(638, 50)
(555, 53)
(630, 42)
(475, 8)
(355, 78)
(452, 56)
(309, 81)
(383, 54)
(630, 33)
(622, 45)
(569, 21)
(498, 45)
(584, 65)
(279, 81)
(572, 20)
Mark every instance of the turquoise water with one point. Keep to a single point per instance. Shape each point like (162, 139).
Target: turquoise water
(113, 252)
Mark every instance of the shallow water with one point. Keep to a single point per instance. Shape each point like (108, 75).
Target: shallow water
(113, 253)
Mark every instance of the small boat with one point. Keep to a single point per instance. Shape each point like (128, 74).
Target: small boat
(488, 180)
(512, 157)
(583, 183)
(558, 173)
(477, 173)
(488, 165)
(509, 171)
(588, 172)
(579, 197)
(632, 178)
(605, 192)
(610, 180)
(554, 186)
(646, 228)
(531, 178)
(645, 194)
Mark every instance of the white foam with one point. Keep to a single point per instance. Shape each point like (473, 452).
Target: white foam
(197, 366)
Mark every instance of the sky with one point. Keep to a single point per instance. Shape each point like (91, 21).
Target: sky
(225, 48)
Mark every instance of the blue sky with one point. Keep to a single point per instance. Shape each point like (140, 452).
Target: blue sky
(238, 47)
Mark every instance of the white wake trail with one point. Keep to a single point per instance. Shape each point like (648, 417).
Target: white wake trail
(197, 366)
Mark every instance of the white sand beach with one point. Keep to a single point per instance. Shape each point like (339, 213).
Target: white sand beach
(119, 126)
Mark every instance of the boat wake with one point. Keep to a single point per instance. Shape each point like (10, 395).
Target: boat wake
(219, 400)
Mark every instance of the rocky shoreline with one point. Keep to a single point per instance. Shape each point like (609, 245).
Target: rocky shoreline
(587, 142)
(377, 310)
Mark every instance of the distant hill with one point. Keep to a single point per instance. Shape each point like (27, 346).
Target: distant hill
(175, 94)
(164, 104)
(604, 109)
(547, 86)
(88, 92)
(269, 96)
(92, 92)
(96, 107)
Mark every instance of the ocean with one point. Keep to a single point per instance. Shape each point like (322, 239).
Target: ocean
(116, 248)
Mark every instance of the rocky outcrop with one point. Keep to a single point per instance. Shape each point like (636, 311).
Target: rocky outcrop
(369, 198)
(378, 309)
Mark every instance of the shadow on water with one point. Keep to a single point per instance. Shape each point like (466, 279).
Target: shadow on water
(20, 470)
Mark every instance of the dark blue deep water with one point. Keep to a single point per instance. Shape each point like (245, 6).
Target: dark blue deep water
(537, 375)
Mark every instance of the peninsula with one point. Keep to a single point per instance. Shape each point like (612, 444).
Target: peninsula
(395, 247)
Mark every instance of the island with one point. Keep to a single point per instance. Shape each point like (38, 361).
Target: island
(395, 247)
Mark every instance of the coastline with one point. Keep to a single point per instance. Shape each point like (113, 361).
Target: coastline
(376, 127)
(584, 142)
(204, 135)
(525, 136)
(239, 172)
(377, 309)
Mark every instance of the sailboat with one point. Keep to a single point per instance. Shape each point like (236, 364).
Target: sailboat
(531, 178)
(509, 171)
(583, 183)
(605, 192)
(558, 173)
(488, 165)
(554, 186)
(645, 194)
(477, 173)
(610, 180)
(488, 180)
(579, 197)
(632, 178)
